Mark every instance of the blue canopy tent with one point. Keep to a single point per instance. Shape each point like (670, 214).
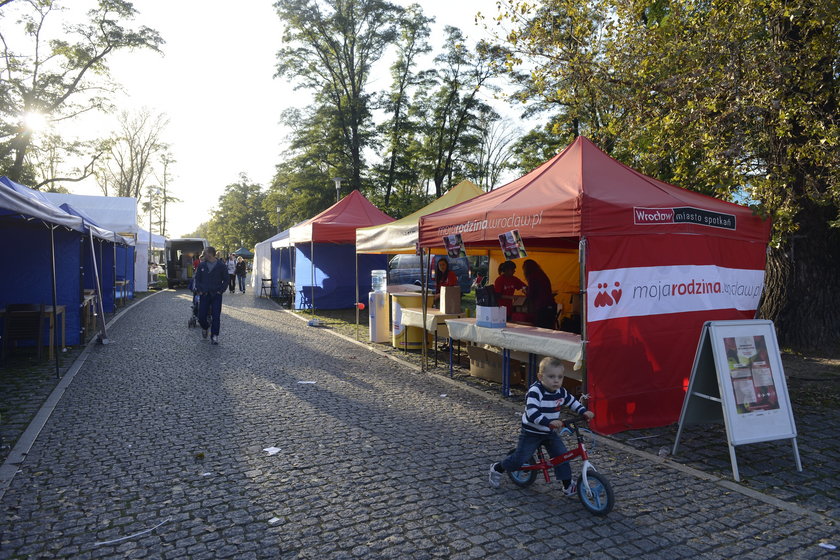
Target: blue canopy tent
(41, 242)
(115, 261)
(70, 246)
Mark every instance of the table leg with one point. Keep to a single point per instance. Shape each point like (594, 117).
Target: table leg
(505, 372)
(450, 356)
(532, 368)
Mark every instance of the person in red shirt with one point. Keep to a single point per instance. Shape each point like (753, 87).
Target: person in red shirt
(506, 285)
(444, 276)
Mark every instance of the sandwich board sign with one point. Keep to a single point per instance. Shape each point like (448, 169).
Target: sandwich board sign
(737, 377)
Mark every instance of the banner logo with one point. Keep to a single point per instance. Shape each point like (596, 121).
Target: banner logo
(605, 298)
(683, 215)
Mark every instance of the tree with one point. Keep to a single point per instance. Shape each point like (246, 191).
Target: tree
(493, 151)
(302, 185)
(453, 106)
(331, 54)
(727, 98)
(58, 78)
(743, 98)
(240, 218)
(130, 158)
(562, 46)
(399, 129)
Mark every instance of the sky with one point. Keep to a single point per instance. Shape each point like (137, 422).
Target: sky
(215, 84)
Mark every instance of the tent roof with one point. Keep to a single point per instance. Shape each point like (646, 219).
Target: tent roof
(158, 241)
(338, 223)
(584, 192)
(116, 213)
(17, 199)
(400, 236)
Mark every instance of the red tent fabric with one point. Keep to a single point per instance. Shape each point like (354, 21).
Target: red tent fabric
(658, 262)
(583, 192)
(338, 223)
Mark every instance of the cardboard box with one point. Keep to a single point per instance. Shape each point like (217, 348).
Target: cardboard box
(487, 364)
(450, 299)
(492, 317)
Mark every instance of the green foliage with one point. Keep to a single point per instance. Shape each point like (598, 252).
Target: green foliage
(60, 77)
(332, 46)
(239, 220)
(725, 98)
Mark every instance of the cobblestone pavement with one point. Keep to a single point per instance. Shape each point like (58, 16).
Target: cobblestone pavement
(157, 450)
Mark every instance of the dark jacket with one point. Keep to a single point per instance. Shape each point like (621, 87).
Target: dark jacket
(211, 277)
(241, 268)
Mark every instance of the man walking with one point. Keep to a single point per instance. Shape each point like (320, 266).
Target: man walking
(211, 280)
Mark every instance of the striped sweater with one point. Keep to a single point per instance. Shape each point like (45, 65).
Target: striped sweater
(541, 407)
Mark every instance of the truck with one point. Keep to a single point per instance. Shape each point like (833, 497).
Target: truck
(180, 254)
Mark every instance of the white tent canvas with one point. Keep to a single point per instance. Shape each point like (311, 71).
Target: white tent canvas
(116, 213)
(141, 262)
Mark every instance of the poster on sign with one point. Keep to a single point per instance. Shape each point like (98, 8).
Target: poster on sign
(512, 245)
(454, 246)
(738, 376)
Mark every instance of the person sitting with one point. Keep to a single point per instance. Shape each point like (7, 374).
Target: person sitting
(506, 285)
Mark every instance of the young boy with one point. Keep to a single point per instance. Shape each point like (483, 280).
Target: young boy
(540, 419)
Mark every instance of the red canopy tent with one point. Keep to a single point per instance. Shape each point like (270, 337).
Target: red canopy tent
(328, 274)
(657, 261)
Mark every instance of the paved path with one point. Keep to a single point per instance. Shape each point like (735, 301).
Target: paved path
(156, 450)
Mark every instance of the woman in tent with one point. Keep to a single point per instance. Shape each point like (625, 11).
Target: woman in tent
(539, 297)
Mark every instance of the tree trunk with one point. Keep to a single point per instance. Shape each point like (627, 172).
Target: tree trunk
(801, 284)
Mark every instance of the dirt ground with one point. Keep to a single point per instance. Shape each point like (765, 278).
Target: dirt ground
(814, 377)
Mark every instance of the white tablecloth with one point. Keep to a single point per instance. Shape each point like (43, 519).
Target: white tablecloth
(545, 342)
(412, 317)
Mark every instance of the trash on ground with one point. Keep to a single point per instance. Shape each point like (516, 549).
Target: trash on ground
(273, 520)
(272, 450)
(134, 535)
(306, 382)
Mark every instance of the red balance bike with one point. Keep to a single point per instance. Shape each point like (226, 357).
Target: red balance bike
(593, 488)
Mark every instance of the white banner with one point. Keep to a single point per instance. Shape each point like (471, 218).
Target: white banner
(637, 292)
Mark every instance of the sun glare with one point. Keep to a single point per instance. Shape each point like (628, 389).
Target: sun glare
(36, 122)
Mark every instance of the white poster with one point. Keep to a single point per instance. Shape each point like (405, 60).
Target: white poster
(643, 291)
(752, 383)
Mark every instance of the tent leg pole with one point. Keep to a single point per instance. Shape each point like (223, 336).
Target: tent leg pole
(356, 303)
(54, 302)
(584, 386)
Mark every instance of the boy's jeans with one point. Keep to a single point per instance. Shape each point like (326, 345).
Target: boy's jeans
(527, 445)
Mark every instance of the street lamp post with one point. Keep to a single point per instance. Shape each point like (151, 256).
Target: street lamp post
(278, 218)
(338, 181)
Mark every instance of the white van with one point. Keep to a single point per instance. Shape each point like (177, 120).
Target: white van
(180, 254)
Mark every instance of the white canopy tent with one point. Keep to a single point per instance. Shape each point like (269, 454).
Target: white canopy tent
(141, 262)
(262, 259)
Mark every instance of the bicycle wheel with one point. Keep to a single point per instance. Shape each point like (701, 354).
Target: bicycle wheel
(599, 498)
(523, 479)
